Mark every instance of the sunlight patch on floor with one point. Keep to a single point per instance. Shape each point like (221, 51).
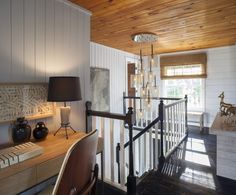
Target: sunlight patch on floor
(197, 158)
(199, 178)
(200, 141)
(196, 146)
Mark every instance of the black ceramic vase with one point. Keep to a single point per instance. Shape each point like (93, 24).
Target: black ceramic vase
(21, 131)
(40, 131)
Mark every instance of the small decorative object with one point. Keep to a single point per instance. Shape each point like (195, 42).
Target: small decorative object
(40, 131)
(223, 106)
(228, 110)
(21, 131)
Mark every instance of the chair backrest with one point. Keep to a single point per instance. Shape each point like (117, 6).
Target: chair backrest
(77, 169)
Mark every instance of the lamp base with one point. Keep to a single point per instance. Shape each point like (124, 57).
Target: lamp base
(65, 126)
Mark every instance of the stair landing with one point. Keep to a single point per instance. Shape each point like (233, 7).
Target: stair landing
(190, 170)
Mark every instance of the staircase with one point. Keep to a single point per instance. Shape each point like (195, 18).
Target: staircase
(144, 145)
(189, 170)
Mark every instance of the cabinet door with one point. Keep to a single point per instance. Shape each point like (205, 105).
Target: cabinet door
(49, 168)
(18, 182)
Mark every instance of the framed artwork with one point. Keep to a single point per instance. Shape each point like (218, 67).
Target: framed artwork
(100, 86)
(27, 100)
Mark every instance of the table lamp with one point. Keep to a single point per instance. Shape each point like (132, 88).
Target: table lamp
(64, 89)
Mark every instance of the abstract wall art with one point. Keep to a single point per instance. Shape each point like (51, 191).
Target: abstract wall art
(24, 100)
(100, 86)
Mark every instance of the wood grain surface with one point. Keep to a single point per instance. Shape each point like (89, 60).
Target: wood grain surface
(21, 176)
(181, 24)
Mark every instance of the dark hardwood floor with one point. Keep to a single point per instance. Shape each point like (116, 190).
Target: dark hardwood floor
(190, 170)
(108, 189)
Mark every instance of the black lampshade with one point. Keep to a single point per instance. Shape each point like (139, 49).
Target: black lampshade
(64, 89)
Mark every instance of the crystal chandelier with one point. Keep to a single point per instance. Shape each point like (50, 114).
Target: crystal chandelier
(144, 80)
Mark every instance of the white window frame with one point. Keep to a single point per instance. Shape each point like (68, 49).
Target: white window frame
(203, 95)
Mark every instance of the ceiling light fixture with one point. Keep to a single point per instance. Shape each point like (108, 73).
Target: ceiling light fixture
(144, 79)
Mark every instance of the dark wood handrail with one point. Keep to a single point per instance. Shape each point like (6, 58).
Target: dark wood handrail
(107, 115)
(154, 98)
(143, 131)
(128, 118)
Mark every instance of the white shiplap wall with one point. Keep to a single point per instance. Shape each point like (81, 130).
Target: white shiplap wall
(221, 71)
(114, 60)
(41, 38)
(221, 76)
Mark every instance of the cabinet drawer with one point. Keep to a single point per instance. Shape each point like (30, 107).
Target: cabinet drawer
(18, 182)
(49, 168)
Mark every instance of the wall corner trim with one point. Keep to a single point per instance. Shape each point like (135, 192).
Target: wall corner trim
(76, 7)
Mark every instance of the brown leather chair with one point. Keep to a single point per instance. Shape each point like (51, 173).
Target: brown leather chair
(78, 174)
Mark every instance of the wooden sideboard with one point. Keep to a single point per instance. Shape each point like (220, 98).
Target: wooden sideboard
(226, 147)
(21, 176)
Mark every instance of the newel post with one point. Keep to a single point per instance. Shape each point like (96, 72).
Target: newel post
(88, 116)
(131, 179)
(186, 114)
(161, 116)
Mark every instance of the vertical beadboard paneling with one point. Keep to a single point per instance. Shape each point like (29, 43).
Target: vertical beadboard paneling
(5, 51)
(87, 57)
(59, 34)
(17, 40)
(50, 37)
(66, 35)
(29, 40)
(5, 40)
(221, 77)
(221, 71)
(114, 60)
(41, 38)
(79, 117)
(74, 36)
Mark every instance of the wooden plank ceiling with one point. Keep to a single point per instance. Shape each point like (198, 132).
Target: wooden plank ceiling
(180, 24)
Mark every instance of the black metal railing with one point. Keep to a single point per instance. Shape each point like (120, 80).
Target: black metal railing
(160, 120)
(129, 119)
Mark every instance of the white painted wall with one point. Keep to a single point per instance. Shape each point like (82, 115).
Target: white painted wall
(221, 71)
(114, 60)
(221, 76)
(41, 38)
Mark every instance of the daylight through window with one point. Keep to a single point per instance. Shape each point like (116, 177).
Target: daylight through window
(184, 74)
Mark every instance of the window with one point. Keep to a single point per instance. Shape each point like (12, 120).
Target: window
(183, 70)
(184, 75)
(194, 88)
